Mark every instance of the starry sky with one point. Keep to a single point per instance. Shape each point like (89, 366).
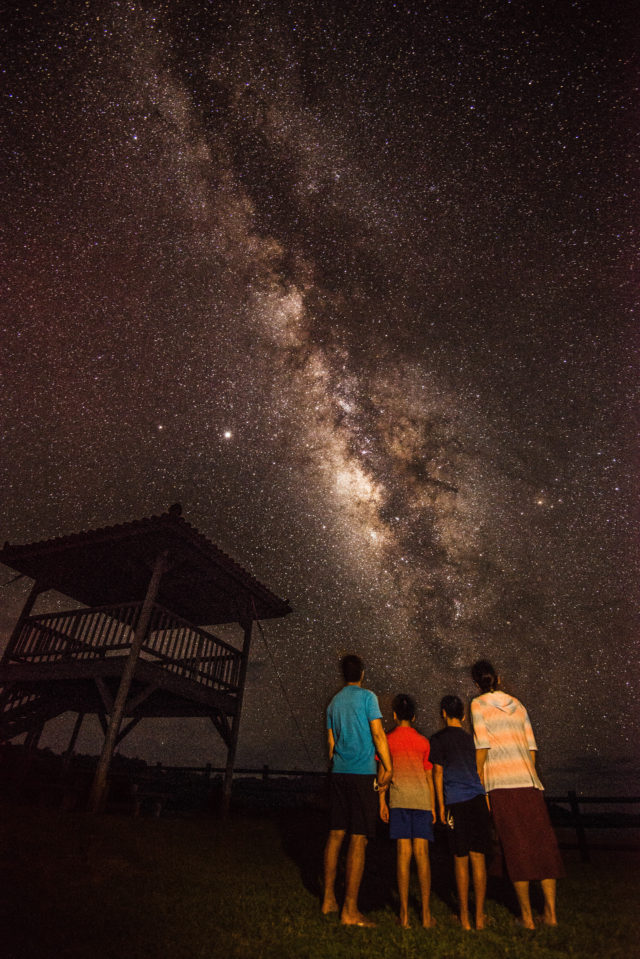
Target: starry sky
(354, 284)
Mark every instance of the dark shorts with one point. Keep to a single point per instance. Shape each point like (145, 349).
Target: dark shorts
(471, 830)
(353, 803)
(410, 824)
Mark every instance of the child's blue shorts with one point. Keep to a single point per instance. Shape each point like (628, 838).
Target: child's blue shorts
(410, 824)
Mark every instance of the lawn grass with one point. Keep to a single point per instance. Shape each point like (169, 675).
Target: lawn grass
(107, 887)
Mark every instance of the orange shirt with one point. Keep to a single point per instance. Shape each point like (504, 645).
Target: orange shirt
(409, 787)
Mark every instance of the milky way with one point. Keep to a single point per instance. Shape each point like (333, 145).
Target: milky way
(354, 287)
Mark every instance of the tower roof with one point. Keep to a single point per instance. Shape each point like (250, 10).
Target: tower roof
(112, 565)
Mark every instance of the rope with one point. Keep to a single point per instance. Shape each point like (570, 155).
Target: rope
(282, 686)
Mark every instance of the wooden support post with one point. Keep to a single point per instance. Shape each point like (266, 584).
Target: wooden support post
(33, 736)
(235, 726)
(580, 833)
(98, 788)
(74, 735)
(36, 589)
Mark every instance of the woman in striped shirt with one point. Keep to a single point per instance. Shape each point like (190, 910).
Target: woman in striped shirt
(506, 758)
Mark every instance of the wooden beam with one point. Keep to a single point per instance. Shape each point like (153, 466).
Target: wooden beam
(5, 694)
(74, 734)
(132, 704)
(221, 724)
(127, 729)
(235, 728)
(33, 736)
(99, 786)
(36, 589)
(105, 695)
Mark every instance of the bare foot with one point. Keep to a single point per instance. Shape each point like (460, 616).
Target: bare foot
(357, 919)
(480, 922)
(403, 921)
(464, 922)
(330, 905)
(428, 921)
(525, 923)
(549, 918)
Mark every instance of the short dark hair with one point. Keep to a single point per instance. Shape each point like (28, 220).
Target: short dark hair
(452, 707)
(484, 675)
(404, 707)
(352, 668)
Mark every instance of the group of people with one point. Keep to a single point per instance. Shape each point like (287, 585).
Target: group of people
(464, 782)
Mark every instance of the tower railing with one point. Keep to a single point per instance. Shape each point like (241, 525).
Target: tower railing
(102, 632)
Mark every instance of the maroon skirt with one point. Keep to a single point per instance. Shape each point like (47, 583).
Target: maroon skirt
(529, 844)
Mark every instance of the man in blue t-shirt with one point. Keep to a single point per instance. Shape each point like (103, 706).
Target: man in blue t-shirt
(462, 805)
(355, 734)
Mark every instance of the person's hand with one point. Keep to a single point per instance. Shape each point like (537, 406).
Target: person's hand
(384, 778)
(442, 818)
(384, 813)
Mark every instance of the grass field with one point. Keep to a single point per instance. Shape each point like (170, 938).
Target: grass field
(111, 887)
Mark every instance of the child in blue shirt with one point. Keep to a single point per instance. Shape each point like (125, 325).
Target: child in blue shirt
(463, 805)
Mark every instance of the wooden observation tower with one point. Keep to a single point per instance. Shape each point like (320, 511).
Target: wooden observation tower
(137, 649)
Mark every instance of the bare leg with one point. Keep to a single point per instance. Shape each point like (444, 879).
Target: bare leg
(522, 892)
(403, 860)
(331, 853)
(351, 915)
(462, 883)
(421, 852)
(549, 893)
(479, 869)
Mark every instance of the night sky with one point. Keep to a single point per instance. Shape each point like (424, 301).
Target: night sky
(352, 282)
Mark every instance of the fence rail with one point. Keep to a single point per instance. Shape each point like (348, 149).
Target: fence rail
(581, 824)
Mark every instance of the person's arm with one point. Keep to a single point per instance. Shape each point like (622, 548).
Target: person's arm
(481, 758)
(382, 748)
(331, 742)
(531, 739)
(438, 780)
(382, 796)
(429, 775)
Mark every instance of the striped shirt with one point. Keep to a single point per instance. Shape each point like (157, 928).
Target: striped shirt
(501, 725)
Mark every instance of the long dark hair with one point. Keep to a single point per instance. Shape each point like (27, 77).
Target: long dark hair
(484, 675)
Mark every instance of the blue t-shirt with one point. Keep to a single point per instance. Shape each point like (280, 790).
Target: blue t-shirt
(453, 749)
(348, 716)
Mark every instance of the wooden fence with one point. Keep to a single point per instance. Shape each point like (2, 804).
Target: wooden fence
(576, 819)
(158, 786)
(581, 821)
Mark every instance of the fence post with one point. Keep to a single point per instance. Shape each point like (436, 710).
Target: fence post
(580, 833)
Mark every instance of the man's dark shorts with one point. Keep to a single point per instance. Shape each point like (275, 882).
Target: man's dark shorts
(353, 803)
(471, 827)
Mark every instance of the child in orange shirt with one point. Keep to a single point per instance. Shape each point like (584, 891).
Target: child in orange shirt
(409, 809)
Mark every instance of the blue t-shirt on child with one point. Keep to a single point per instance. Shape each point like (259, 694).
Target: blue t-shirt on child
(348, 716)
(453, 749)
